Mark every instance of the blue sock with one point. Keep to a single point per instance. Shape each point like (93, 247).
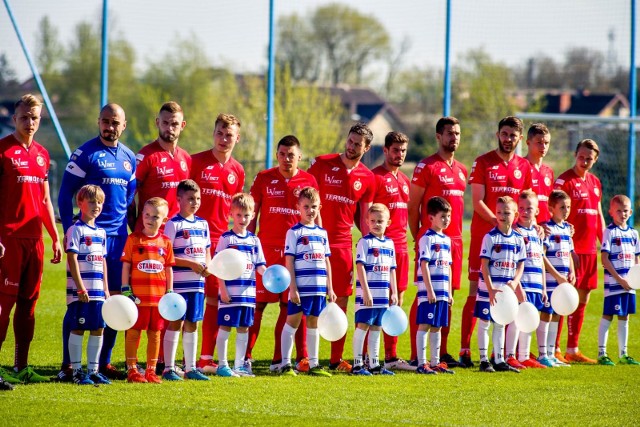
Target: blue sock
(66, 331)
(109, 341)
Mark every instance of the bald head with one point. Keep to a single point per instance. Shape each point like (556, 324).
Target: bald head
(112, 123)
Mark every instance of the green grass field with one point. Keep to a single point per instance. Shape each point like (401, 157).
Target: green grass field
(580, 395)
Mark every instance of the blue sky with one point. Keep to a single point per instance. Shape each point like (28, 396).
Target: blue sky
(235, 33)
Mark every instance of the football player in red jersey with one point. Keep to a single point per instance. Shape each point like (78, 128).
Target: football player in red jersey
(439, 175)
(26, 202)
(538, 140)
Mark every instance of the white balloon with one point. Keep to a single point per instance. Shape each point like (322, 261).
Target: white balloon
(633, 276)
(228, 264)
(332, 322)
(564, 299)
(119, 312)
(505, 309)
(528, 318)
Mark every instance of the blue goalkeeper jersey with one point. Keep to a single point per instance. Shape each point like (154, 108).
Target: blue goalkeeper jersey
(110, 168)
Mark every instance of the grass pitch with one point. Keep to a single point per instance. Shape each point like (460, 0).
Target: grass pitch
(580, 395)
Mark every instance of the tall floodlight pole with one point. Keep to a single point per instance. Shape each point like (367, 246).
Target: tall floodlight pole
(104, 71)
(631, 159)
(36, 76)
(446, 107)
(270, 87)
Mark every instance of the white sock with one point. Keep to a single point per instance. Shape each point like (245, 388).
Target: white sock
(242, 339)
(603, 336)
(512, 339)
(623, 336)
(94, 345)
(358, 346)
(421, 347)
(170, 347)
(483, 339)
(190, 348)
(435, 339)
(524, 346)
(551, 339)
(374, 348)
(313, 346)
(222, 342)
(541, 335)
(286, 343)
(75, 351)
(498, 342)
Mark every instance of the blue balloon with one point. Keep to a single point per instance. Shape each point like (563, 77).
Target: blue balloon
(394, 321)
(172, 306)
(276, 279)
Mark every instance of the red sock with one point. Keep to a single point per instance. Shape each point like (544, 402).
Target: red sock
(209, 330)
(413, 328)
(282, 319)
(6, 305)
(444, 333)
(24, 323)
(337, 347)
(560, 323)
(301, 339)
(254, 331)
(468, 322)
(574, 325)
(390, 346)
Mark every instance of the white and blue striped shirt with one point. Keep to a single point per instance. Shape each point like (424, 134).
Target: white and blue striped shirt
(623, 247)
(190, 240)
(242, 291)
(435, 249)
(534, 263)
(309, 246)
(504, 252)
(91, 246)
(378, 256)
(559, 246)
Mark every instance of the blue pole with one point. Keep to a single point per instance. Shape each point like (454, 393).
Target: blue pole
(104, 72)
(270, 87)
(36, 76)
(446, 107)
(631, 159)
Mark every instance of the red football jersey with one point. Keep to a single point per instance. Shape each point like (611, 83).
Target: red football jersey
(158, 174)
(393, 191)
(499, 179)
(542, 185)
(340, 192)
(276, 198)
(218, 183)
(22, 176)
(586, 195)
(449, 182)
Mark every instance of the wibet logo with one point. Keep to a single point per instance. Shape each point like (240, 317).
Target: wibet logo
(164, 170)
(331, 180)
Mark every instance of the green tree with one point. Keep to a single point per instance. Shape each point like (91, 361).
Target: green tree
(297, 49)
(49, 50)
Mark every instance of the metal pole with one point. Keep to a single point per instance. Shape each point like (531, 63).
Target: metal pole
(104, 72)
(36, 76)
(446, 108)
(270, 86)
(631, 159)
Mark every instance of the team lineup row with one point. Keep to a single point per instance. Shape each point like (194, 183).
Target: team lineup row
(345, 185)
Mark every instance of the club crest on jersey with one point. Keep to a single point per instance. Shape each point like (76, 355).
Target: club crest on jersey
(405, 188)
(40, 160)
(557, 238)
(617, 241)
(497, 248)
(185, 234)
(376, 252)
(436, 247)
(357, 185)
(596, 191)
(296, 192)
(231, 178)
(305, 240)
(526, 240)
(547, 181)
(461, 175)
(183, 165)
(87, 240)
(517, 174)
(127, 166)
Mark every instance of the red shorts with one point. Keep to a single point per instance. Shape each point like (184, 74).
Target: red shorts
(21, 267)
(456, 266)
(587, 272)
(342, 271)
(149, 319)
(211, 286)
(402, 270)
(474, 257)
(273, 255)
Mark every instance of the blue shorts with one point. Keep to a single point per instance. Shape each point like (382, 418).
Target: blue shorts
(309, 306)
(535, 298)
(115, 247)
(235, 317)
(436, 314)
(546, 307)
(195, 306)
(370, 316)
(481, 311)
(86, 316)
(620, 304)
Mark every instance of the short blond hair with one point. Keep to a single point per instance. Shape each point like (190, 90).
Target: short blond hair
(309, 193)
(157, 202)
(29, 100)
(227, 120)
(243, 201)
(528, 194)
(619, 199)
(378, 208)
(506, 200)
(90, 192)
